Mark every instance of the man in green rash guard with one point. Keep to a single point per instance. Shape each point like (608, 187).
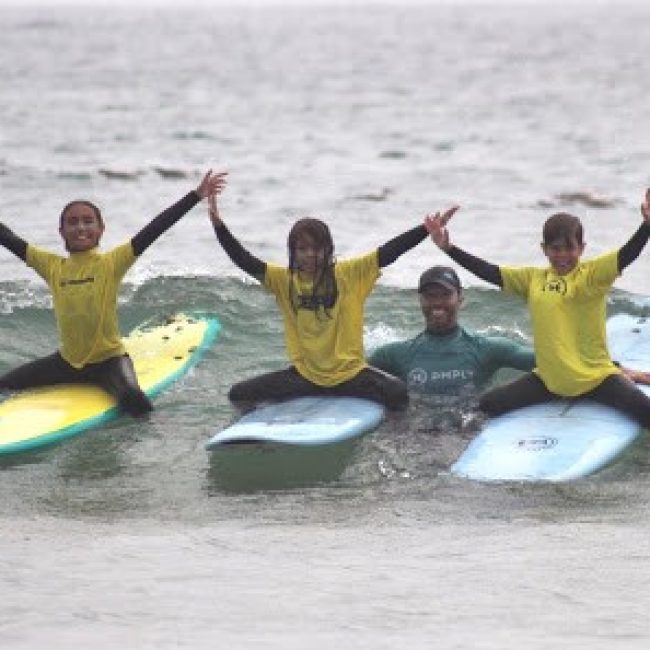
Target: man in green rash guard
(446, 359)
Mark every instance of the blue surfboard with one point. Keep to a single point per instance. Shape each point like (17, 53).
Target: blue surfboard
(303, 421)
(561, 440)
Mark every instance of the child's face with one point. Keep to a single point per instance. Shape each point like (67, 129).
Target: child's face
(309, 257)
(81, 229)
(563, 255)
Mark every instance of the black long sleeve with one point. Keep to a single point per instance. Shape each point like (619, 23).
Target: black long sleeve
(163, 222)
(12, 242)
(485, 270)
(387, 253)
(238, 254)
(632, 249)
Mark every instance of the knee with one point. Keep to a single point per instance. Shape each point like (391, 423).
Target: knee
(238, 393)
(396, 395)
(489, 403)
(135, 403)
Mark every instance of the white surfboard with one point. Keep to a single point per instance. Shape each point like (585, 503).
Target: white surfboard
(561, 440)
(303, 421)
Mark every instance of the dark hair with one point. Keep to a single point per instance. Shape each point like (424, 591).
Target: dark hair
(324, 290)
(88, 204)
(563, 227)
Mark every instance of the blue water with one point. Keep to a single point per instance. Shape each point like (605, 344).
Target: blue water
(133, 535)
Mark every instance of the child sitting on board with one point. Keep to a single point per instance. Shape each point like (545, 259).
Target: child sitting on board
(85, 286)
(567, 303)
(322, 302)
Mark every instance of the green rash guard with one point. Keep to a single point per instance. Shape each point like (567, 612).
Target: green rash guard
(452, 364)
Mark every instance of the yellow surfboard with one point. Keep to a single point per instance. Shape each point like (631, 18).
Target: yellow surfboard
(161, 354)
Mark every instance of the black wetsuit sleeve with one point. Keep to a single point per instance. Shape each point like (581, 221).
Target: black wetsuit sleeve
(238, 254)
(163, 222)
(12, 242)
(387, 253)
(632, 249)
(485, 270)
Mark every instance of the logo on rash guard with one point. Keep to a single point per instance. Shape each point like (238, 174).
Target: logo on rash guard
(419, 376)
(556, 286)
(65, 283)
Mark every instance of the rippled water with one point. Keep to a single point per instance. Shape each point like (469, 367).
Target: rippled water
(132, 534)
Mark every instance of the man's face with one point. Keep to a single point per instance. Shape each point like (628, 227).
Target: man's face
(440, 307)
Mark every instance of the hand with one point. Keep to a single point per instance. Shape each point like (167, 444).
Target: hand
(645, 207)
(213, 210)
(637, 376)
(436, 225)
(212, 184)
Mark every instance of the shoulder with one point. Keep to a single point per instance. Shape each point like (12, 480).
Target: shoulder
(40, 255)
(358, 262)
(396, 348)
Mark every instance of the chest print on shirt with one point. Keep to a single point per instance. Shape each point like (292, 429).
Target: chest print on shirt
(417, 377)
(65, 283)
(557, 285)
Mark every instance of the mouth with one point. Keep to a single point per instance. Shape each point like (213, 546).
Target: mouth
(437, 315)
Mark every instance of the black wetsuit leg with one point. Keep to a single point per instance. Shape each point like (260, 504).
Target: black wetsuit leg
(45, 371)
(370, 383)
(117, 377)
(621, 393)
(272, 386)
(521, 392)
(376, 385)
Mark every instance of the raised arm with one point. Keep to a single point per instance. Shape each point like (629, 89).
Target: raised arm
(210, 185)
(235, 251)
(436, 226)
(12, 242)
(632, 249)
(387, 253)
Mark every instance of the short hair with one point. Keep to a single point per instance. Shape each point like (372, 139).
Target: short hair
(88, 204)
(563, 227)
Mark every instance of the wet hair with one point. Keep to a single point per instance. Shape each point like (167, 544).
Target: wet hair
(324, 290)
(88, 204)
(562, 227)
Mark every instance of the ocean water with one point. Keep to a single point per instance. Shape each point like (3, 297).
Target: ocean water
(132, 535)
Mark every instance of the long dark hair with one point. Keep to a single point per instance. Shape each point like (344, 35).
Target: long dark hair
(324, 290)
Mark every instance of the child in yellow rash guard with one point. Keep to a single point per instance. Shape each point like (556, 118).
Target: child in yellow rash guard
(85, 287)
(567, 307)
(322, 305)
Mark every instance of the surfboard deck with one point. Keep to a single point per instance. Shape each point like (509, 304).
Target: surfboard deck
(303, 421)
(161, 355)
(561, 440)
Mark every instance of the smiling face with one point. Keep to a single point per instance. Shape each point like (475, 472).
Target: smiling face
(440, 306)
(563, 255)
(562, 242)
(81, 227)
(309, 257)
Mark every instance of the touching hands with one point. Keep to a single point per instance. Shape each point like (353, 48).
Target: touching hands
(213, 210)
(212, 184)
(436, 225)
(645, 207)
